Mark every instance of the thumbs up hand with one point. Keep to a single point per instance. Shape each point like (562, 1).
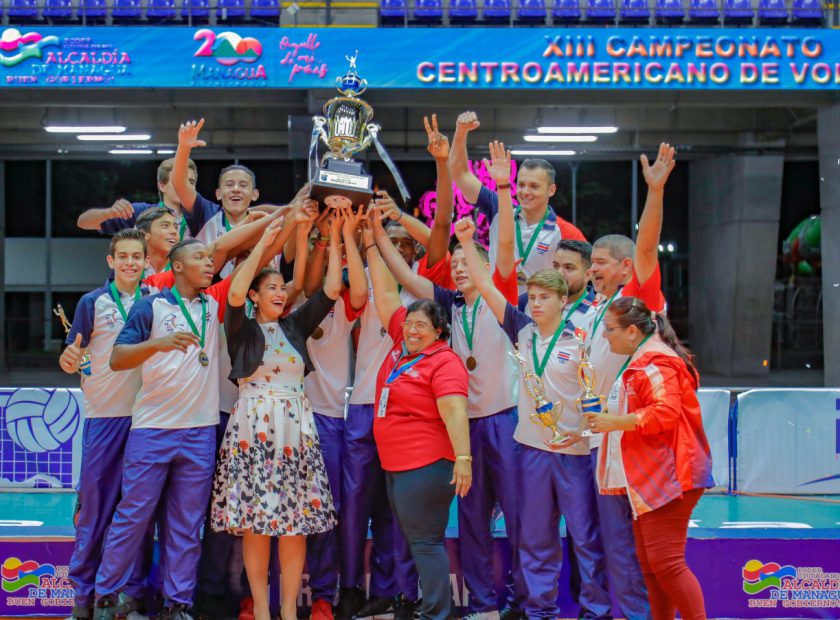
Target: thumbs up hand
(72, 356)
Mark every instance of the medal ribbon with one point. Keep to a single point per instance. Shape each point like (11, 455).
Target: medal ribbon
(225, 223)
(399, 370)
(539, 367)
(524, 252)
(629, 357)
(115, 295)
(469, 330)
(187, 315)
(603, 312)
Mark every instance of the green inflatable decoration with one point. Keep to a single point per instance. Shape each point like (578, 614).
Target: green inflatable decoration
(802, 246)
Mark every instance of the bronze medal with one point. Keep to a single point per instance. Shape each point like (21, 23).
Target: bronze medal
(318, 333)
(203, 359)
(471, 363)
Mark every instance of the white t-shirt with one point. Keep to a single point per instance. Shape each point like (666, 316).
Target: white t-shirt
(108, 394)
(559, 379)
(326, 388)
(228, 390)
(177, 391)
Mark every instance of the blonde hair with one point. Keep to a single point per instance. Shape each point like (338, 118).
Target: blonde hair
(166, 166)
(550, 280)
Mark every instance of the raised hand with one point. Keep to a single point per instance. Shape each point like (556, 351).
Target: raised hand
(179, 341)
(122, 209)
(336, 223)
(438, 143)
(387, 206)
(271, 231)
(656, 175)
(367, 232)
(323, 223)
(465, 229)
(467, 121)
(499, 165)
(72, 356)
(253, 216)
(188, 134)
(352, 220)
(306, 215)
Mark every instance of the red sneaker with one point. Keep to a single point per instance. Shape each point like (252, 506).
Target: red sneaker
(246, 609)
(322, 610)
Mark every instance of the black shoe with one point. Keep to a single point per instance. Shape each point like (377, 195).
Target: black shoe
(81, 613)
(105, 609)
(404, 609)
(350, 601)
(376, 606)
(508, 613)
(177, 611)
(211, 607)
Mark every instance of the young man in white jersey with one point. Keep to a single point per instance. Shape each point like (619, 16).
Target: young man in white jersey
(330, 350)
(555, 478)
(99, 317)
(123, 214)
(538, 228)
(622, 268)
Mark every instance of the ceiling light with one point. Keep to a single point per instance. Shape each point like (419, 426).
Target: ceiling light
(131, 151)
(84, 129)
(577, 130)
(532, 153)
(165, 151)
(126, 137)
(535, 138)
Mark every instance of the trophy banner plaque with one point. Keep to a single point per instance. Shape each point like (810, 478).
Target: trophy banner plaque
(589, 402)
(345, 128)
(546, 413)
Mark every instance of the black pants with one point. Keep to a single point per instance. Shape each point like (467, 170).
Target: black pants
(420, 498)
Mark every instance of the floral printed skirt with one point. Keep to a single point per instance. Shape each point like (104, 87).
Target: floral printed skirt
(271, 477)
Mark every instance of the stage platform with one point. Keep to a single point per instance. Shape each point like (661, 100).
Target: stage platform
(756, 557)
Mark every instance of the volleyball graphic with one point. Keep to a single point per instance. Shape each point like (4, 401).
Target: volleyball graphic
(40, 420)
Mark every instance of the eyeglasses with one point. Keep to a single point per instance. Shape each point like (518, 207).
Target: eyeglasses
(415, 325)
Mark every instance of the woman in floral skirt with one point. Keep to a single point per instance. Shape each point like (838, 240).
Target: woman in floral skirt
(271, 479)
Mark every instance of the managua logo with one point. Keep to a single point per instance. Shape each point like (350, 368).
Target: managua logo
(227, 48)
(18, 575)
(759, 576)
(16, 47)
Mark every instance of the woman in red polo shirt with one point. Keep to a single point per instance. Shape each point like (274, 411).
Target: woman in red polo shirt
(420, 428)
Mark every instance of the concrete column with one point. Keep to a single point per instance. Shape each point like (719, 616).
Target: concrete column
(734, 207)
(828, 135)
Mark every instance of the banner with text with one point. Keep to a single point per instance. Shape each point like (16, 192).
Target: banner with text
(543, 58)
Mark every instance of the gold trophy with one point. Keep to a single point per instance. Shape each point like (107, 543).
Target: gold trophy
(589, 402)
(345, 129)
(84, 367)
(547, 414)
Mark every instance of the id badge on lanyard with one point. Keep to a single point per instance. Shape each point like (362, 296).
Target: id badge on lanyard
(383, 402)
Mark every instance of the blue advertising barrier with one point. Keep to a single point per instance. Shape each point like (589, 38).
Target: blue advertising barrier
(467, 58)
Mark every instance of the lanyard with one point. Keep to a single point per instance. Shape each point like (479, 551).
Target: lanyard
(182, 230)
(629, 357)
(603, 312)
(399, 370)
(115, 295)
(187, 315)
(539, 367)
(524, 252)
(225, 223)
(469, 330)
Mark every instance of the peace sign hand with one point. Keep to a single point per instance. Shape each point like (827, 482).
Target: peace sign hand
(438, 143)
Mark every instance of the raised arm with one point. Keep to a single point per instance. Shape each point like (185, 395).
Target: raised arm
(92, 219)
(243, 236)
(464, 230)
(414, 227)
(499, 169)
(459, 169)
(332, 283)
(441, 225)
(187, 140)
(650, 224)
(385, 294)
(242, 278)
(416, 284)
(355, 267)
(318, 257)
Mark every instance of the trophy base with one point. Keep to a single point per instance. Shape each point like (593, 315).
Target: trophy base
(341, 183)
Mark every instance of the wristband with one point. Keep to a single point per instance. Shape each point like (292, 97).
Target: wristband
(503, 186)
(372, 245)
(400, 217)
(323, 239)
(464, 457)
(320, 244)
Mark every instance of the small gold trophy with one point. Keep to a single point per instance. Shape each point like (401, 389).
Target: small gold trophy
(547, 414)
(589, 402)
(84, 367)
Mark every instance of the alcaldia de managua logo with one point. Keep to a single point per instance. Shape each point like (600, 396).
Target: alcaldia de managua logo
(16, 47)
(790, 586)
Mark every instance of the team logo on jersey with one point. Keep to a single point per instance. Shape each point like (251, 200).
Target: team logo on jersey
(542, 248)
(112, 317)
(563, 357)
(170, 323)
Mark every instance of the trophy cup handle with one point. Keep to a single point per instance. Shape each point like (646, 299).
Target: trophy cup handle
(320, 122)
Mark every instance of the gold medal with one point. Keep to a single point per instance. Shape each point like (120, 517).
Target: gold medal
(203, 359)
(471, 363)
(318, 333)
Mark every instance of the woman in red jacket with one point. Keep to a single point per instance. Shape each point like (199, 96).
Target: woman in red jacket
(655, 450)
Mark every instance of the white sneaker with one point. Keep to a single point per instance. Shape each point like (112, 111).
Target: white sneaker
(482, 615)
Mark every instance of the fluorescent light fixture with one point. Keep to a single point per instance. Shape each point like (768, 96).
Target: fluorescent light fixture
(538, 138)
(165, 151)
(126, 137)
(131, 151)
(84, 129)
(533, 153)
(577, 130)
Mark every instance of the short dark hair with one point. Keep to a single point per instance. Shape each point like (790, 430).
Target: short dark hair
(535, 163)
(435, 314)
(178, 248)
(150, 216)
(233, 167)
(584, 248)
(482, 251)
(127, 234)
